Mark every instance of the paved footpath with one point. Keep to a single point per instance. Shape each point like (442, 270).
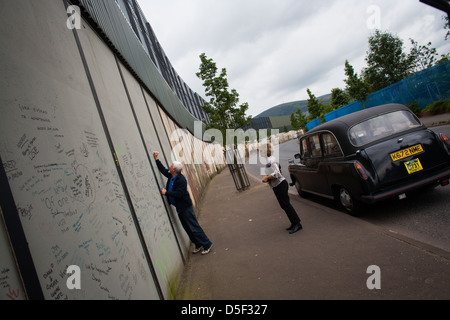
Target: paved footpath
(436, 120)
(254, 258)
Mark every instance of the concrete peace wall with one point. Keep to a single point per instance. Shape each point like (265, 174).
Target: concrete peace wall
(78, 180)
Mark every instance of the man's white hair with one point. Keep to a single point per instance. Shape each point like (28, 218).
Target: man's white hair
(178, 166)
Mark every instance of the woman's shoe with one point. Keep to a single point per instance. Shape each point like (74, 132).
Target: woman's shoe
(296, 228)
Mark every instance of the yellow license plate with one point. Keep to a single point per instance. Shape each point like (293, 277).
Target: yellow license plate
(413, 166)
(405, 153)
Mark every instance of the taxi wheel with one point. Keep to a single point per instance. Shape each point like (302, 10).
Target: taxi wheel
(348, 202)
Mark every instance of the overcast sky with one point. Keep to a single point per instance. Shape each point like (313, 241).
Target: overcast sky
(274, 50)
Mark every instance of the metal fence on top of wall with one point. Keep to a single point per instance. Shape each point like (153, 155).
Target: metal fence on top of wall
(423, 88)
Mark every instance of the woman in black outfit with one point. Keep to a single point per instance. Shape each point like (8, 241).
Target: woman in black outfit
(280, 187)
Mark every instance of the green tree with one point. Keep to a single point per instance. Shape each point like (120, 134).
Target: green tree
(298, 120)
(294, 122)
(444, 58)
(314, 105)
(357, 87)
(422, 57)
(339, 98)
(325, 110)
(447, 26)
(222, 108)
(387, 63)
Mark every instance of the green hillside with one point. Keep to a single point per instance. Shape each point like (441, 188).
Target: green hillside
(286, 109)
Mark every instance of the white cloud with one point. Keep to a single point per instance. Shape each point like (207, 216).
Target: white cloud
(274, 50)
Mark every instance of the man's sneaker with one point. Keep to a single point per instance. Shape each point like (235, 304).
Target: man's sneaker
(206, 251)
(197, 250)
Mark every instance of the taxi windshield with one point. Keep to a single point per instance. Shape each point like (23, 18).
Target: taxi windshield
(381, 127)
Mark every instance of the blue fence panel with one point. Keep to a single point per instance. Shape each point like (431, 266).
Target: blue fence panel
(313, 124)
(345, 110)
(423, 88)
(331, 116)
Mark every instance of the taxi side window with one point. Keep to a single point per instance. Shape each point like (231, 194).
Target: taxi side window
(316, 150)
(330, 146)
(305, 149)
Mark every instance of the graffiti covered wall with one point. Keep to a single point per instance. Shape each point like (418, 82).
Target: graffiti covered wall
(79, 183)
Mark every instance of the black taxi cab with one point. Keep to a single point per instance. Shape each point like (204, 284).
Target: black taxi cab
(369, 156)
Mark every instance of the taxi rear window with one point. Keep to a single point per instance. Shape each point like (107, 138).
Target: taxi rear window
(381, 127)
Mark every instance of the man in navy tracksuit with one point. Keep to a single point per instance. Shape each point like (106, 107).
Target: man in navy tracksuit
(178, 196)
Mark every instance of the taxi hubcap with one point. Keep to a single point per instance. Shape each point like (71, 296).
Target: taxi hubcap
(346, 199)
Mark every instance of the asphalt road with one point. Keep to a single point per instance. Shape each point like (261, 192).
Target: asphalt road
(423, 216)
